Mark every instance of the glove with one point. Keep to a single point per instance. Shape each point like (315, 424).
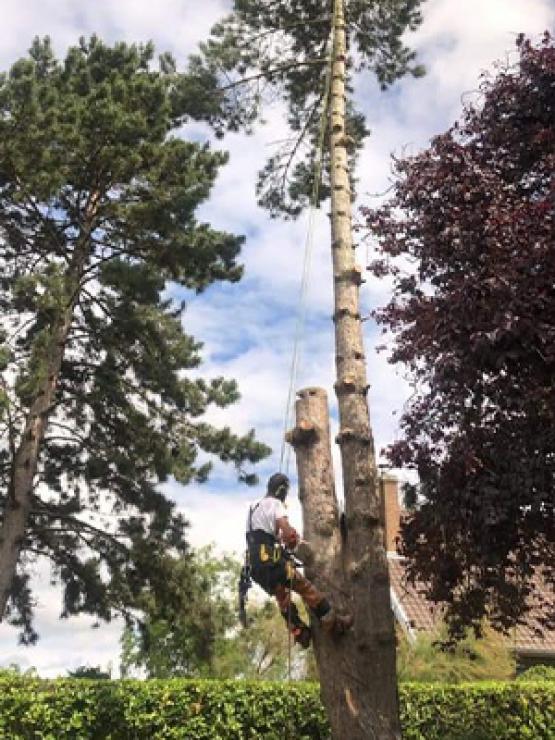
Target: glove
(292, 539)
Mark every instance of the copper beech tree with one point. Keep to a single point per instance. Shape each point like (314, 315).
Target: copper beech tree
(474, 321)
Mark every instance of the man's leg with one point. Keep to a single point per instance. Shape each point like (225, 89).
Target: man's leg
(289, 611)
(319, 605)
(312, 597)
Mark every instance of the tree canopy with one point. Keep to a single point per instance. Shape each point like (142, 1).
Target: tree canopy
(100, 396)
(268, 51)
(468, 238)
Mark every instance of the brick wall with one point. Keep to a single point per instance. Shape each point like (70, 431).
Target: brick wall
(391, 510)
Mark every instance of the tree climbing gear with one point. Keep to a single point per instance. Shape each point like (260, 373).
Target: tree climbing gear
(245, 582)
(274, 568)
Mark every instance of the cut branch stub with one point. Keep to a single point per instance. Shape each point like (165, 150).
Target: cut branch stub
(347, 385)
(305, 433)
(352, 275)
(343, 312)
(348, 435)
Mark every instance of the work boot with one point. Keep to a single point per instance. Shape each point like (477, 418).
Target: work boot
(302, 636)
(300, 631)
(336, 624)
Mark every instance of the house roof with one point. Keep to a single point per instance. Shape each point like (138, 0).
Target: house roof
(416, 614)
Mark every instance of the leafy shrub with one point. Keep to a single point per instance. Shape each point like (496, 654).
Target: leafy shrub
(236, 710)
(538, 673)
(480, 711)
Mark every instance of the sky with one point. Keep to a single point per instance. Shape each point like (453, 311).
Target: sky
(248, 328)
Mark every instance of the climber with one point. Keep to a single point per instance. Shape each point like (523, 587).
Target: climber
(270, 540)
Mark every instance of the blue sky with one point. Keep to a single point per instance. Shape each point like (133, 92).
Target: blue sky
(248, 328)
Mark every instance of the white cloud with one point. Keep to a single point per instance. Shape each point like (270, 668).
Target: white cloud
(64, 644)
(174, 25)
(248, 328)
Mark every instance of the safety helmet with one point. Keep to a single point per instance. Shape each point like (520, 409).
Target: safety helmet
(278, 486)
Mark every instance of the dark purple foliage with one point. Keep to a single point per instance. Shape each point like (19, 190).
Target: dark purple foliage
(475, 324)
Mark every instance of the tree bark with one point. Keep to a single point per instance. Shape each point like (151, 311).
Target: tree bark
(365, 704)
(25, 463)
(351, 679)
(324, 567)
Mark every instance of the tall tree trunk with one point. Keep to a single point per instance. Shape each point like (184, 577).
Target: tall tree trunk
(323, 555)
(363, 661)
(25, 463)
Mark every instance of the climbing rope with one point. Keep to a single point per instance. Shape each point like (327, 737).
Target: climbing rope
(289, 633)
(285, 455)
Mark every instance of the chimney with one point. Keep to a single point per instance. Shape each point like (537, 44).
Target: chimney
(391, 510)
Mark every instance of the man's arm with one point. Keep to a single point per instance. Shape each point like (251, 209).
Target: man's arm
(287, 534)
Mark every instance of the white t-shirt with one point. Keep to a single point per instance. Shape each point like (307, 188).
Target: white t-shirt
(265, 513)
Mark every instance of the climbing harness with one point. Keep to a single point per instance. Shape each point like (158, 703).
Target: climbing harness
(273, 564)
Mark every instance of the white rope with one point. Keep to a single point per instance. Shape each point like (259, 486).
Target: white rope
(285, 456)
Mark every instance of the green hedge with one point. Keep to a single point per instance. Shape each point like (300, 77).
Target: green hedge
(538, 673)
(67, 709)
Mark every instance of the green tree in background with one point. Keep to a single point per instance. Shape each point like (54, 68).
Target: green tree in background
(259, 651)
(199, 634)
(181, 637)
(97, 407)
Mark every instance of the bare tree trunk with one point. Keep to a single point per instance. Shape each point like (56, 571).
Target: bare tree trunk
(353, 681)
(25, 462)
(324, 565)
(358, 675)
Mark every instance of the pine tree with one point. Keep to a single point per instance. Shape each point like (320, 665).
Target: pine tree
(307, 54)
(97, 407)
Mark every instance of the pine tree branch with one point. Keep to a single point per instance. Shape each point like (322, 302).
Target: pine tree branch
(299, 141)
(11, 425)
(34, 209)
(270, 73)
(281, 29)
(19, 329)
(77, 524)
(58, 438)
(61, 425)
(93, 267)
(96, 301)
